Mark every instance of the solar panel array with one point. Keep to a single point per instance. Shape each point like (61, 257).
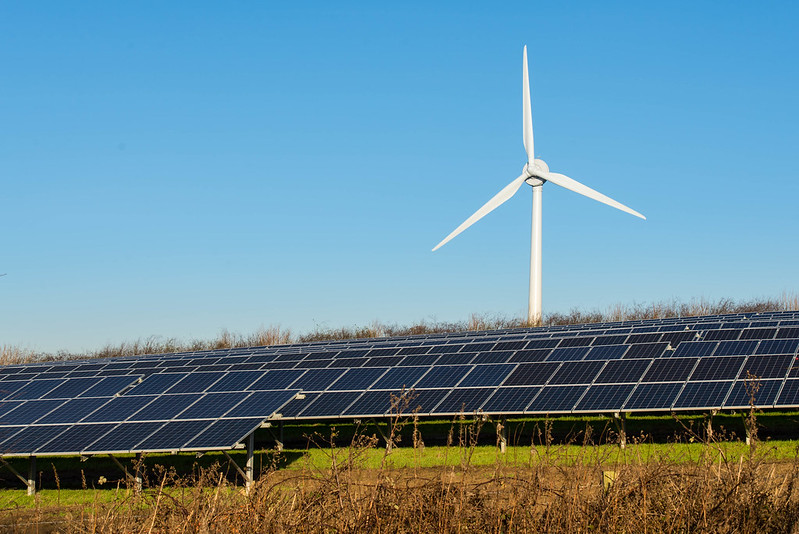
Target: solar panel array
(208, 400)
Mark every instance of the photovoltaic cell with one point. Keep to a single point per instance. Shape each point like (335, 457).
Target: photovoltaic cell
(213, 405)
(196, 382)
(123, 437)
(718, 368)
(646, 350)
(735, 348)
(157, 383)
(621, 371)
(606, 352)
(172, 436)
(703, 394)
(109, 386)
(695, 348)
(510, 399)
(357, 379)
(789, 396)
(8, 387)
(262, 404)
(670, 370)
(487, 375)
(764, 395)
(330, 404)
(317, 379)
(118, 409)
(34, 390)
(653, 396)
(73, 410)
(531, 374)
(778, 346)
(464, 400)
(235, 381)
(372, 403)
(30, 411)
(31, 438)
(577, 372)
(75, 439)
(758, 333)
(530, 355)
(568, 353)
(556, 399)
(446, 376)
(224, 433)
(601, 397)
(719, 335)
(165, 407)
(277, 379)
(459, 358)
(400, 377)
(70, 388)
(767, 366)
(426, 399)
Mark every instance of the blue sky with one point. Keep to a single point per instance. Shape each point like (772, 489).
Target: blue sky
(174, 170)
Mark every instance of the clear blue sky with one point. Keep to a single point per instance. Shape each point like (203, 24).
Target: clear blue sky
(173, 170)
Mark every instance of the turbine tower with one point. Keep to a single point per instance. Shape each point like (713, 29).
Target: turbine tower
(535, 173)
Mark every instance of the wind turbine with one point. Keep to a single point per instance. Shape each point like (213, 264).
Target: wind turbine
(535, 173)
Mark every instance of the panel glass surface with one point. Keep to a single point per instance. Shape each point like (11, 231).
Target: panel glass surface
(577, 372)
(556, 399)
(511, 399)
(75, 439)
(532, 374)
(653, 396)
(357, 379)
(224, 434)
(464, 400)
(443, 377)
(670, 370)
(487, 375)
(604, 397)
(622, 371)
(767, 366)
(703, 394)
(763, 392)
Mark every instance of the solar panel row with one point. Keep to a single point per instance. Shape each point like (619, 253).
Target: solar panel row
(184, 401)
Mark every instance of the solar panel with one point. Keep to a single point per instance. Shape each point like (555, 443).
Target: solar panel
(463, 400)
(510, 399)
(553, 399)
(210, 399)
(604, 397)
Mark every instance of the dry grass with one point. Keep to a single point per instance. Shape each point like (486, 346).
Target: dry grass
(616, 492)
(275, 335)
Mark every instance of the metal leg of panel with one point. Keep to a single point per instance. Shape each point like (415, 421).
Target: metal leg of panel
(621, 419)
(31, 482)
(248, 480)
(137, 478)
(280, 436)
(502, 435)
(14, 471)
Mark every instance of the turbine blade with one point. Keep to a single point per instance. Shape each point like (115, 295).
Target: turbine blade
(507, 192)
(527, 114)
(573, 185)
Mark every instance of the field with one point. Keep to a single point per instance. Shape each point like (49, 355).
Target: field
(564, 474)
(368, 478)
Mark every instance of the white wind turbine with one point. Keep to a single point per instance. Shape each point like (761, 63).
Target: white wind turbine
(535, 173)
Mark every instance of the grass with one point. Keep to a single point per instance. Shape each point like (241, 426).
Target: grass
(365, 487)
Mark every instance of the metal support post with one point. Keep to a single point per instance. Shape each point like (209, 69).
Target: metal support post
(502, 435)
(137, 478)
(280, 436)
(621, 418)
(249, 468)
(32, 476)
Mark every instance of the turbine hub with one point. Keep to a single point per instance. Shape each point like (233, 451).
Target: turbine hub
(536, 172)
